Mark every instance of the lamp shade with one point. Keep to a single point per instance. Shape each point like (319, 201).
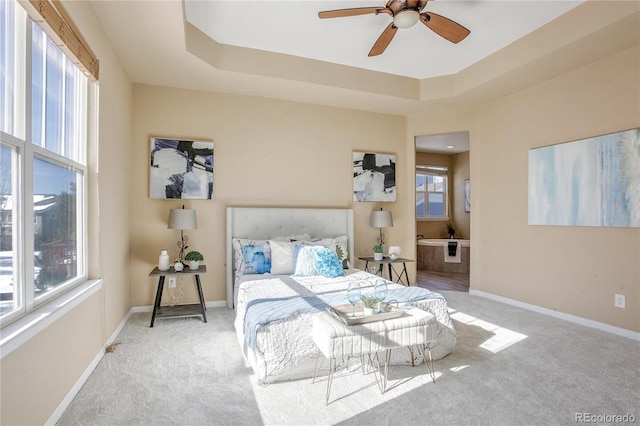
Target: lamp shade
(182, 219)
(381, 219)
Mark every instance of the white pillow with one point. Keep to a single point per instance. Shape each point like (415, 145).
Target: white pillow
(340, 245)
(306, 261)
(282, 262)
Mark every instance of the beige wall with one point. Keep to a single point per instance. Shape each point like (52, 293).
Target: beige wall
(37, 376)
(461, 172)
(574, 270)
(267, 153)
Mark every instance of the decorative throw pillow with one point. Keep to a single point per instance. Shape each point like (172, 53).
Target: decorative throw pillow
(342, 247)
(282, 260)
(237, 245)
(328, 264)
(257, 258)
(306, 260)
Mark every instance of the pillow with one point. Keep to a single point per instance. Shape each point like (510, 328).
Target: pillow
(257, 258)
(238, 245)
(282, 260)
(306, 260)
(328, 264)
(340, 245)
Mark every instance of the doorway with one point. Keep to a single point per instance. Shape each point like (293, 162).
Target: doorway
(450, 152)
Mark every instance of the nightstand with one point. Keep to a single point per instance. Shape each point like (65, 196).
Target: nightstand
(402, 277)
(176, 311)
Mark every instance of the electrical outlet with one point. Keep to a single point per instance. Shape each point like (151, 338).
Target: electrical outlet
(619, 301)
(172, 282)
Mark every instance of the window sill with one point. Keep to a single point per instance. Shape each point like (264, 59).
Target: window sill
(17, 333)
(432, 219)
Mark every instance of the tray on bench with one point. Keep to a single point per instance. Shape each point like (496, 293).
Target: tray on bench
(344, 312)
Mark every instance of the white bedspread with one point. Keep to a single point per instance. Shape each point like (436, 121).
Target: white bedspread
(285, 349)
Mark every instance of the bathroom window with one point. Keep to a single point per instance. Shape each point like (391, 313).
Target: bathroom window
(431, 192)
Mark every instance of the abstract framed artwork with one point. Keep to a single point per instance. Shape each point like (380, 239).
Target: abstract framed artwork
(589, 182)
(374, 177)
(181, 169)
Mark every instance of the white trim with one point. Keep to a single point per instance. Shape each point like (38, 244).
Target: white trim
(22, 330)
(66, 401)
(567, 317)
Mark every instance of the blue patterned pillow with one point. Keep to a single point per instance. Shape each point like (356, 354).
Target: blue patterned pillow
(257, 258)
(328, 264)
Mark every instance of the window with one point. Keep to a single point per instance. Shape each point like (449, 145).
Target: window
(43, 138)
(431, 192)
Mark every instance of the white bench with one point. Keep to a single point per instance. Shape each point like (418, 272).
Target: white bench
(415, 328)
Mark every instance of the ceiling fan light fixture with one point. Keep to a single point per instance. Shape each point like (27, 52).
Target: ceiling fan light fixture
(406, 18)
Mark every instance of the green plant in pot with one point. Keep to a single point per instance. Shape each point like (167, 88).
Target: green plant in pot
(378, 251)
(370, 303)
(194, 258)
(451, 229)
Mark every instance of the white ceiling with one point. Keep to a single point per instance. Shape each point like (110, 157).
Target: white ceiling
(227, 46)
(448, 143)
(293, 27)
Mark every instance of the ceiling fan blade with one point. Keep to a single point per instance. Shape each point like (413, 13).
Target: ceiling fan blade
(444, 27)
(384, 40)
(348, 12)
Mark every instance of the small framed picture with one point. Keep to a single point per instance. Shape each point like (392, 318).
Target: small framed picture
(467, 196)
(374, 176)
(181, 169)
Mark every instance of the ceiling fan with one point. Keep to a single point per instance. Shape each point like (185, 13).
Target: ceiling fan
(405, 13)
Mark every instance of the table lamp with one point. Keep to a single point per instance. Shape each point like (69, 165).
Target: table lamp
(182, 219)
(381, 219)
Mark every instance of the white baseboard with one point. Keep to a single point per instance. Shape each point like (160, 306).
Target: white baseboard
(567, 317)
(66, 401)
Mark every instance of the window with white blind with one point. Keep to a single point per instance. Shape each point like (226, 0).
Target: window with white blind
(43, 172)
(431, 192)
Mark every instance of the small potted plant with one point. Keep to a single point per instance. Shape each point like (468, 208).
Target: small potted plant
(451, 229)
(370, 303)
(194, 258)
(378, 251)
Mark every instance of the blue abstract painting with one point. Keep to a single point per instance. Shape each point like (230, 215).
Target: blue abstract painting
(590, 182)
(181, 169)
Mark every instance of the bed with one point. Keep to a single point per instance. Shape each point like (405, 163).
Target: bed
(275, 304)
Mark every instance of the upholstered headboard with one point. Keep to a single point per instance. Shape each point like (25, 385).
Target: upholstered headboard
(271, 222)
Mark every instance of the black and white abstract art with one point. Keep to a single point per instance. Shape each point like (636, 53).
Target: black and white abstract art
(374, 177)
(181, 169)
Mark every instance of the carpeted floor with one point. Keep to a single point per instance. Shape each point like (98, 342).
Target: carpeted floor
(510, 367)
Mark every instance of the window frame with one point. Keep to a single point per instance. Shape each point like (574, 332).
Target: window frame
(23, 191)
(433, 171)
